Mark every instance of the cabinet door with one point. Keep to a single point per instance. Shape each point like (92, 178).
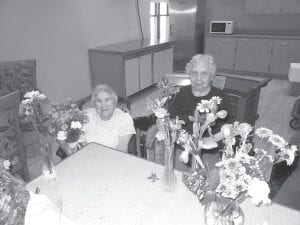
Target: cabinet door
(262, 6)
(132, 80)
(253, 54)
(290, 6)
(145, 71)
(281, 57)
(157, 66)
(296, 52)
(222, 49)
(168, 61)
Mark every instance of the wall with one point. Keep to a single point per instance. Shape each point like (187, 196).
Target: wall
(261, 24)
(58, 34)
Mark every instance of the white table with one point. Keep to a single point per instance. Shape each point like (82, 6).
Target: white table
(99, 185)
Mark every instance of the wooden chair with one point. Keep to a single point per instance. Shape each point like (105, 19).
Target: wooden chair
(11, 143)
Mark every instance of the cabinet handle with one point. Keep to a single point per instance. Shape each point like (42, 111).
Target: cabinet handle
(283, 43)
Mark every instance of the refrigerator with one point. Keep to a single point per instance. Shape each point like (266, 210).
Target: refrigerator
(187, 21)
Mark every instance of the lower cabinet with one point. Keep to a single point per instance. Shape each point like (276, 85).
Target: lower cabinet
(223, 51)
(162, 63)
(132, 75)
(128, 68)
(253, 54)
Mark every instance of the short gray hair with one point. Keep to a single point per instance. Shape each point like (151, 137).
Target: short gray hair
(104, 88)
(199, 58)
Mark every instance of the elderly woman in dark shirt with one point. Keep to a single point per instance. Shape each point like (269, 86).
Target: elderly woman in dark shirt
(201, 70)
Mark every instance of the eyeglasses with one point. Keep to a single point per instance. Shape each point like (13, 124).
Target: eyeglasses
(203, 74)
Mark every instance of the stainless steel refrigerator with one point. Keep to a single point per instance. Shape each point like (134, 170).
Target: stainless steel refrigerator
(187, 20)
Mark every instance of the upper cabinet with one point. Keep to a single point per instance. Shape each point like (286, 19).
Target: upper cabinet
(262, 6)
(290, 6)
(222, 49)
(272, 6)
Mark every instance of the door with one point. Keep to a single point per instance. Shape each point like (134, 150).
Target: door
(281, 57)
(253, 54)
(132, 75)
(222, 49)
(168, 61)
(157, 65)
(145, 70)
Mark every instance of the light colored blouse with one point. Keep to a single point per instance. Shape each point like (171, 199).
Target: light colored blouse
(107, 132)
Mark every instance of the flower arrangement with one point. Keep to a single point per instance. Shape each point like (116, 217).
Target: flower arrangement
(66, 124)
(32, 108)
(205, 116)
(241, 172)
(13, 198)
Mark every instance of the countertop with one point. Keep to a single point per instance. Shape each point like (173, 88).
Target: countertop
(132, 47)
(256, 36)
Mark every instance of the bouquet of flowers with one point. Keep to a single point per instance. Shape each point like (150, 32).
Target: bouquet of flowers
(66, 123)
(205, 116)
(240, 173)
(13, 198)
(32, 108)
(167, 131)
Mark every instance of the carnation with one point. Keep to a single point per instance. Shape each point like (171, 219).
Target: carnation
(259, 190)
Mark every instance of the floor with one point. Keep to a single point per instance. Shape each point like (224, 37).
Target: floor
(275, 107)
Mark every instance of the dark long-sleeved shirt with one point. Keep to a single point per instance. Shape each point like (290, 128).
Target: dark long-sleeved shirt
(184, 103)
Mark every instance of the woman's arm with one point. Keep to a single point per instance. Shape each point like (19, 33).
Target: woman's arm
(123, 142)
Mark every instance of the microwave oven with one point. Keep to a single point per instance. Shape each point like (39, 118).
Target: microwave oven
(221, 27)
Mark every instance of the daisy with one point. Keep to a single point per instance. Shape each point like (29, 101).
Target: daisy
(263, 132)
(277, 140)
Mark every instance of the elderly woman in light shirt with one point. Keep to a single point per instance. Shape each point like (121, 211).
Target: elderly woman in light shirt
(107, 124)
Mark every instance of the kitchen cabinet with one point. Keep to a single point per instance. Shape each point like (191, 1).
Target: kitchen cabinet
(128, 66)
(253, 54)
(281, 56)
(132, 80)
(290, 6)
(263, 6)
(272, 6)
(162, 63)
(223, 51)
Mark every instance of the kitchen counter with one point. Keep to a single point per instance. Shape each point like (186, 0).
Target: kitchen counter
(132, 47)
(256, 36)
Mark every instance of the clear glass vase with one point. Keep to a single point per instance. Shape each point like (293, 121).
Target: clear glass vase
(168, 179)
(48, 168)
(217, 213)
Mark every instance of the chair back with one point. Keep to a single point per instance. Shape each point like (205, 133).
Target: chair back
(184, 80)
(18, 75)
(11, 143)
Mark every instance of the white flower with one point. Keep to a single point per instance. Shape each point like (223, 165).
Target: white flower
(277, 140)
(259, 191)
(263, 132)
(222, 114)
(26, 101)
(184, 156)
(160, 113)
(160, 135)
(204, 106)
(226, 130)
(210, 117)
(42, 96)
(30, 94)
(244, 129)
(61, 135)
(216, 99)
(6, 164)
(76, 125)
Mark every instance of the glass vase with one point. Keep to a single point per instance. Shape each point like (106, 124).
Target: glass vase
(48, 169)
(216, 213)
(169, 180)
